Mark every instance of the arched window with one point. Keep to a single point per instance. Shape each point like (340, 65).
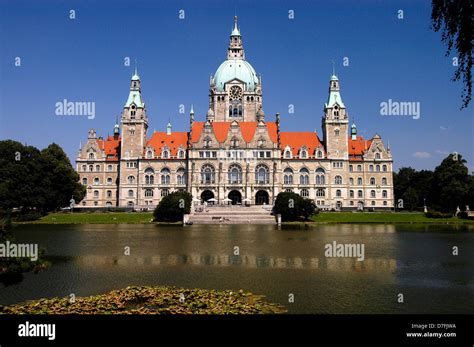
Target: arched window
(181, 176)
(320, 192)
(320, 176)
(181, 154)
(207, 174)
(351, 194)
(109, 168)
(149, 154)
(304, 176)
(109, 194)
(384, 168)
(287, 153)
(131, 179)
(372, 181)
(371, 168)
(351, 181)
(359, 181)
(96, 181)
(338, 193)
(235, 174)
(377, 155)
(109, 180)
(377, 168)
(360, 194)
(97, 168)
(165, 176)
(372, 193)
(304, 193)
(384, 181)
(359, 167)
(84, 167)
(91, 155)
(384, 194)
(130, 193)
(96, 194)
(288, 176)
(338, 180)
(91, 168)
(336, 132)
(84, 181)
(165, 154)
(207, 142)
(303, 154)
(149, 176)
(148, 193)
(319, 154)
(234, 142)
(351, 168)
(262, 174)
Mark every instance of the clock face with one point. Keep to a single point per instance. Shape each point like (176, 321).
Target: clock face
(235, 93)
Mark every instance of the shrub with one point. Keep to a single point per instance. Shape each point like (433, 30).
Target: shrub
(437, 214)
(292, 207)
(172, 207)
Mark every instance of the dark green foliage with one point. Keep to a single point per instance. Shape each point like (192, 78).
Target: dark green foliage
(293, 207)
(437, 214)
(450, 185)
(172, 207)
(454, 19)
(36, 180)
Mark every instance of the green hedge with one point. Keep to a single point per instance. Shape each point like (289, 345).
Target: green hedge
(172, 207)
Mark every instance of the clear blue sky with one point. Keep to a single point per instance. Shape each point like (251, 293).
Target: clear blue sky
(83, 60)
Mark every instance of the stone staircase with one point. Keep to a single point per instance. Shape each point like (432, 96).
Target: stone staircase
(231, 214)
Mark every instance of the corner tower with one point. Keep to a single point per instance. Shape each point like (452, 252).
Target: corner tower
(134, 122)
(235, 89)
(335, 123)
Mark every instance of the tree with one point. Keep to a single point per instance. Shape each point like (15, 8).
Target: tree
(172, 207)
(292, 207)
(31, 179)
(454, 19)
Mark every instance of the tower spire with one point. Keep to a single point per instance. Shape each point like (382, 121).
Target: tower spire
(236, 48)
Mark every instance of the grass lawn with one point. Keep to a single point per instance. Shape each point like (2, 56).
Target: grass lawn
(94, 218)
(382, 217)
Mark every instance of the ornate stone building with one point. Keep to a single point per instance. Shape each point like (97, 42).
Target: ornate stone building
(236, 155)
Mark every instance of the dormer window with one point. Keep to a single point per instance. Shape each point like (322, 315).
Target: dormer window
(180, 154)
(91, 155)
(165, 154)
(149, 154)
(287, 154)
(319, 154)
(303, 154)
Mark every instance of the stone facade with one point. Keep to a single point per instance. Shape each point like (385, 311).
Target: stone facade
(235, 155)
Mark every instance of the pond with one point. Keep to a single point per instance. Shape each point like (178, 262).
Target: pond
(287, 265)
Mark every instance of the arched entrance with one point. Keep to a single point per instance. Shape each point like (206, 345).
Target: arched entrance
(236, 197)
(206, 195)
(262, 198)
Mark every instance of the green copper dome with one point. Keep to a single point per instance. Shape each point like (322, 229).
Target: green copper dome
(235, 69)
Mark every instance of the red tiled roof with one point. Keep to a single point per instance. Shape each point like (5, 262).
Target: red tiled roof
(110, 146)
(296, 140)
(173, 141)
(221, 130)
(358, 146)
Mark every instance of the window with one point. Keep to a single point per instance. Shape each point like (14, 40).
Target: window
(372, 181)
(91, 168)
(96, 203)
(84, 181)
(261, 142)
(384, 168)
(304, 193)
(262, 174)
(385, 203)
(131, 179)
(165, 176)
(181, 154)
(384, 194)
(384, 181)
(96, 194)
(319, 154)
(148, 193)
(377, 168)
(109, 180)
(130, 204)
(351, 194)
(372, 203)
(108, 204)
(336, 132)
(338, 180)
(360, 194)
(320, 192)
(91, 155)
(303, 154)
(97, 168)
(207, 174)
(304, 176)
(164, 192)
(235, 174)
(165, 154)
(109, 194)
(287, 154)
(96, 181)
(130, 193)
(320, 177)
(110, 168)
(338, 193)
(207, 142)
(371, 168)
(288, 176)
(84, 167)
(149, 154)
(372, 193)
(377, 156)
(149, 176)
(359, 181)
(351, 168)
(351, 181)
(181, 176)
(359, 168)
